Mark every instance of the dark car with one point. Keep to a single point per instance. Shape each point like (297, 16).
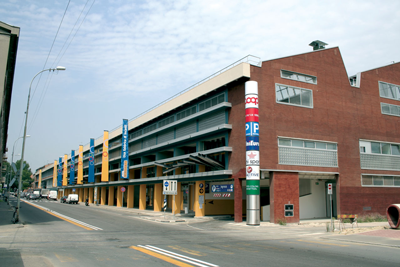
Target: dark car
(63, 199)
(34, 196)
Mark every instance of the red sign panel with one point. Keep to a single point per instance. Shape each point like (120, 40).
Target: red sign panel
(252, 114)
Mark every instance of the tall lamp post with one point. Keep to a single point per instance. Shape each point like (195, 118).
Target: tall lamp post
(24, 138)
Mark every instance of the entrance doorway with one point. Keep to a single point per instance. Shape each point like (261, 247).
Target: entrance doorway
(149, 197)
(188, 197)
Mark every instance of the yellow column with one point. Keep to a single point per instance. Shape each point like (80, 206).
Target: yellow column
(142, 197)
(111, 196)
(129, 196)
(91, 191)
(119, 197)
(103, 195)
(198, 192)
(85, 193)
(158, 197)
(80, 193)
(178, 199)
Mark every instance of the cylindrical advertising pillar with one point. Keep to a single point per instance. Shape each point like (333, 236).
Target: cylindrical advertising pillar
(252, 154)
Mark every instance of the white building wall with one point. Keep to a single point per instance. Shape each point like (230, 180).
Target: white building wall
(314, 205)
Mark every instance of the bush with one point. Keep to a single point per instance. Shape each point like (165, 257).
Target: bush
(371, 218)
(282, 221)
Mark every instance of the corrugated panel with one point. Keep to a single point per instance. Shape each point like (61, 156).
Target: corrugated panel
(135, 146)
(115, 153)
(380, 162)
(165, 136)
(188, 128)
(308, 157)
(149, 141)
(214, 119)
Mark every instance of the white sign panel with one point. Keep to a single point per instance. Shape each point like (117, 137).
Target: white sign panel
(253, 157)
(169, 187)
(253, 172)
(251, 101)
(329, 189)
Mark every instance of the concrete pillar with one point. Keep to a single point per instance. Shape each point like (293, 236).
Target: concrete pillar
(198, 192)
(142, 197)
(158, 197)
(91, 200)
(119, 197)
(284, 189)
(238, 199)
(111, 196)
(103, 195)
(130, 196)
(178, 200)
(85, 193)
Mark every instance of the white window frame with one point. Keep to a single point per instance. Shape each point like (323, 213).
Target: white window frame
(380, 175)
(397, 96)
(298, 73)
(390, 114)
(295, 105)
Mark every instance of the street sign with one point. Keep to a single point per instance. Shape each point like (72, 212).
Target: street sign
(170, 187)
(329, 189)
(73, 190)
(122, 189)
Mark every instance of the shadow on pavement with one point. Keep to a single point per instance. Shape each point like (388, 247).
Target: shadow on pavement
(10, 257)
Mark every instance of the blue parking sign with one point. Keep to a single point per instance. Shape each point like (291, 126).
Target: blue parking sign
(252, 128)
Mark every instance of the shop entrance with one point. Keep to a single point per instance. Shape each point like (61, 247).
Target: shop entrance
(149, 197)
(188, 197)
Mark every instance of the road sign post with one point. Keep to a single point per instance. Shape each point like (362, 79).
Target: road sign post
(330, 200)
(170, 188)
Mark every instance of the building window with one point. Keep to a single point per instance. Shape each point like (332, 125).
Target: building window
(149, 128)
(135, 134)
(379, 148)
(306, 144)
(212, 102)
(293, 95)
(298, 77)
(388, 90)
(165, 121)
(389, 109)
(380, 181)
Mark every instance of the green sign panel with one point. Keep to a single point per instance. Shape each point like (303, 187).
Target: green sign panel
(252, 187)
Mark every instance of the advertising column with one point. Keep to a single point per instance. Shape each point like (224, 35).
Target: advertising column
(125, 151)
(65, 170)
(80, 165)
(59, 175)
(104, 161)
(40, 179)
(72, 168)
(91, 162)
(252, 154)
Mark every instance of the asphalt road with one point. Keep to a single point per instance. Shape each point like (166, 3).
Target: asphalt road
(123, 239)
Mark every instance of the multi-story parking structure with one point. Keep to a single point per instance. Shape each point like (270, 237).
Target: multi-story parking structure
(317, 126)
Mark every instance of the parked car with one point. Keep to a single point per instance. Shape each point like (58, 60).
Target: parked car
(23, 194)
(63, 199)
(27, 195)
(33, 196)
(52, 195)
(72, 199)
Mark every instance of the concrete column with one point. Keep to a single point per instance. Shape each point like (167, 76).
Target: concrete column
(178, 200)
(80, 194)
(199, 191)
(85, 193)
(142, 197)
(158, 197)
(130, 196)
(103, 195)
(111, 196)
(284, 189)
(91, 190)
(119, 197)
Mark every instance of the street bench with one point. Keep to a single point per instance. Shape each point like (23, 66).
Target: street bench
(352, 217)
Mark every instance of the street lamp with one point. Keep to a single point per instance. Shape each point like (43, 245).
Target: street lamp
(24, 138)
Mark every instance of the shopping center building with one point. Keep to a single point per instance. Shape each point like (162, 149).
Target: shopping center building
(317, 126)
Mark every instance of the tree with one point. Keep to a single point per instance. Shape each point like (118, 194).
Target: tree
(26, 175)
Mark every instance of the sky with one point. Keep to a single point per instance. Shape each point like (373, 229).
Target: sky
(124, 57)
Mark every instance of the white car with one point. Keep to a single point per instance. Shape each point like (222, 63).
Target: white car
(72, 199)
(52, 195)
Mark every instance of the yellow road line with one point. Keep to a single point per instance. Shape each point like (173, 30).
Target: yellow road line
(162, 257)
(55, 215)
(322, 243)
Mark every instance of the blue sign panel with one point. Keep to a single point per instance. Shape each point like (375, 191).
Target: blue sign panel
(72, 168)
(91, 162)
(252, 128)
(59, 172)
(125, 151)
(217, 188)
(252, 143)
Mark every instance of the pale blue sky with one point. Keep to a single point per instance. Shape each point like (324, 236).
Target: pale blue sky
(130, 55)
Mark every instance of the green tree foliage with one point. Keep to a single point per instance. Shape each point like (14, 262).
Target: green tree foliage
(26, 175)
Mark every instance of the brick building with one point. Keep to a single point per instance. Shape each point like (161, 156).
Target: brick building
(317, 126)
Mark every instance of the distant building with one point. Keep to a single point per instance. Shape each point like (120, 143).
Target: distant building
(317, 126)
(8, 55)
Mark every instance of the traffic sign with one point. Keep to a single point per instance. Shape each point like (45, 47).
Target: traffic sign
(122, 189)
(329, 189)
(170, 187)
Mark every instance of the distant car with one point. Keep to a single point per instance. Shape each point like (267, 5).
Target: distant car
(27, 195)
(72, 199)
(34, 196)
(23, 194)
(63, 199)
